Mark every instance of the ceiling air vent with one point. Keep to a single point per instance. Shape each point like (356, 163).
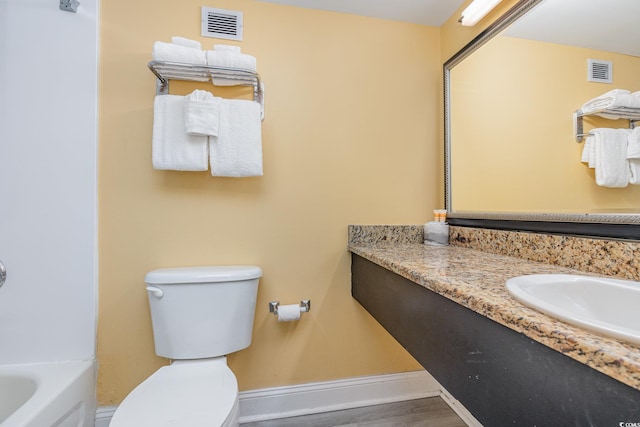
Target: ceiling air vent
(600, 71)
(221, 23)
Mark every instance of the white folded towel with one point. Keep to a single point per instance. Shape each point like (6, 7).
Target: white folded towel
(171, 52)
(615, 98)
(237, 150)
(172, 147)
(201, 113)
(612, 167)
(194, 44)
(633, 156)
(589, 151)
(230, 57)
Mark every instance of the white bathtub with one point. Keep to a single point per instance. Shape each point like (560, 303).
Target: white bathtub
(48, 395)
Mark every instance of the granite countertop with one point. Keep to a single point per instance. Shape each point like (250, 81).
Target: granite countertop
(476, 280)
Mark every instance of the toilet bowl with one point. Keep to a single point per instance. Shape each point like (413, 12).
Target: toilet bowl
(199, 315)
(185, 393)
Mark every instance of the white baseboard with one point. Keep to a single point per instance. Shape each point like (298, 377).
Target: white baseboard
(313, 398)
(104, 415)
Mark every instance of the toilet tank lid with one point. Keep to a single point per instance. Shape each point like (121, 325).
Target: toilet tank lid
(205, 274)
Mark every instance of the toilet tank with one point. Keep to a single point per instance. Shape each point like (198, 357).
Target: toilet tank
(201, 312)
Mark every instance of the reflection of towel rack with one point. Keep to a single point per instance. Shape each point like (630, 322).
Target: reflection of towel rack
(166, 71)
(628, 113)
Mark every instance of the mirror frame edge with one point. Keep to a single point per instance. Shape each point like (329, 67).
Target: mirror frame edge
(616, 226)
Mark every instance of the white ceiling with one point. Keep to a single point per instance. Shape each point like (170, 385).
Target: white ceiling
(425, 12)
(612, 26)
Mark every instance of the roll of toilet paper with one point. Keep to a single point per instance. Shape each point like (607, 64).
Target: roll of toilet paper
(288, 313)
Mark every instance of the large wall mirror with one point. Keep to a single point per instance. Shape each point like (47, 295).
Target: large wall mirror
(512, 159)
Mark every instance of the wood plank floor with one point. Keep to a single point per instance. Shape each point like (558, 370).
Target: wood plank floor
(432, 412)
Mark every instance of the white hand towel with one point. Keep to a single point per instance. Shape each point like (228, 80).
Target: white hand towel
(612, 167)
(175, 53)
(194, 44)
(237, 150)
(201, 113)
(633, 156)
(172, 147)
(589, 151)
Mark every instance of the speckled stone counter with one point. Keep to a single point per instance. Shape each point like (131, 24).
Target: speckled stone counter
(615, 258)
(476, 280)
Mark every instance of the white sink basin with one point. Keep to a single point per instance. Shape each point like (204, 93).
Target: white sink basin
(608, 306)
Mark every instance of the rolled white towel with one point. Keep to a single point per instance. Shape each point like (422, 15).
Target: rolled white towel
(194, 44)
(633, 156)
(171, 52)
(172, 147)
(612, 167)
(201, 113)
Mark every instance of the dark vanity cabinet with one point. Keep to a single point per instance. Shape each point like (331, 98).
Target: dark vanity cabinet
(501, 376)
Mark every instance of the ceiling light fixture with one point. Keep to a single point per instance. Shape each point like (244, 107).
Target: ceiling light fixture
(476, 11)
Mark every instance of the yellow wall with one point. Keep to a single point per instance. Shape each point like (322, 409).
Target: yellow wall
(350, 137)
(454, 37)
(514, 147)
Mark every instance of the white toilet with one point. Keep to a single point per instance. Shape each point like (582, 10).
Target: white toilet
(199, 315)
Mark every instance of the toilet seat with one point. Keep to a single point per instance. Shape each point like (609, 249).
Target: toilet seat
(195, 393)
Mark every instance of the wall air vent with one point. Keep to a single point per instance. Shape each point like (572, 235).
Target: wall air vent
(600, 71)
(221, 23)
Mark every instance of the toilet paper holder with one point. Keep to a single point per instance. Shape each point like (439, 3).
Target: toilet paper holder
(305, 306)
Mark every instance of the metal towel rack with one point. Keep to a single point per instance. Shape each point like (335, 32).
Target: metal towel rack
(165, 71)
(628, 113)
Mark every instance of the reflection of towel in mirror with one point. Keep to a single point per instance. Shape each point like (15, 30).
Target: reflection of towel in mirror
(633, 156)
(613, 99)
(612, 167)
